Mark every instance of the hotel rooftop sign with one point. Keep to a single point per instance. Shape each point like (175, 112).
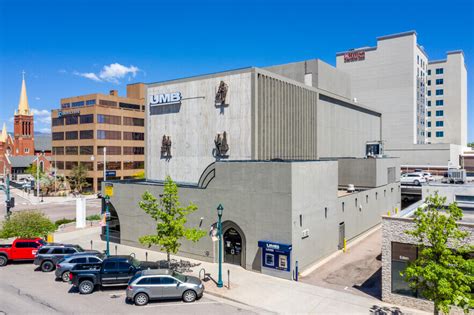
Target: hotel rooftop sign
(354, 56)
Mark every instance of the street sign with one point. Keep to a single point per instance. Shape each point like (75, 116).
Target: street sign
(109, 189)
(110, 173)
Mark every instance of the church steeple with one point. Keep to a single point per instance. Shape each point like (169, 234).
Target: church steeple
(4, 134)
(23, 108)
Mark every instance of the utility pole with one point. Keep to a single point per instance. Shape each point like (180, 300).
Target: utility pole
(37, 178)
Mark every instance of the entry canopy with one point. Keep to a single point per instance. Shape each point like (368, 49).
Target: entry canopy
(269, 245)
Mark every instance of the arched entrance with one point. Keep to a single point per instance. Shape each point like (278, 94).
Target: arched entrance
(234, 244)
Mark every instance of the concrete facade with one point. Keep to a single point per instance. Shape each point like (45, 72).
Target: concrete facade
(451, 126)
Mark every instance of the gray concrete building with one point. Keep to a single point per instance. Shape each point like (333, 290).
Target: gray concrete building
(283, 150)
(397, 78)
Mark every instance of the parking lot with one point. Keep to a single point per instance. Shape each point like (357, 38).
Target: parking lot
(26, 291)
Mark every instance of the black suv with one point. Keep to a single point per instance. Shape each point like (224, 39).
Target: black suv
(50, 254)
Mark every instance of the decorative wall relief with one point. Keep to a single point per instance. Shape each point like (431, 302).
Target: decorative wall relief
(222, 147)
(166, 147)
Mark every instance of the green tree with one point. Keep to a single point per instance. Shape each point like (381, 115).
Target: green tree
(27, 224)
(32, 171)
(78, 177)
(441, 273)
(171, 219)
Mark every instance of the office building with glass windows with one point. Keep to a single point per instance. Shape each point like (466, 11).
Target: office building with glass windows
(423, 102)
(86, 125)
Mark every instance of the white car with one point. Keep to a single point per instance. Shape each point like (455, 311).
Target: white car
(412, 179)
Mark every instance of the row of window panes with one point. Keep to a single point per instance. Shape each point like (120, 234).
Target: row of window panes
(439, 113)
(437, 71)
(72, 135)
(103, 119)
(101, 134)
(112, 165)
(438, 103)
(438, 82)
(438, 92)
(439, 134)
(439, 123)
(89, 150)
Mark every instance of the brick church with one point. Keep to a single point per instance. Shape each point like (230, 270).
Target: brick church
(22, 148)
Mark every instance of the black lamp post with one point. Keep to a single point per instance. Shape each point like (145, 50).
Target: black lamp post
(220, 209)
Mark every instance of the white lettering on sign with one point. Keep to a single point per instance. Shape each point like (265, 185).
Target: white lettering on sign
(273, 246)
(165, 99)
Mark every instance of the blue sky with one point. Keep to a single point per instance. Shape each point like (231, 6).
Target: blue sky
(69, 48)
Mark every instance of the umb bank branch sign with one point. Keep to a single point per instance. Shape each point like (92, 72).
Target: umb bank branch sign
(164, 103)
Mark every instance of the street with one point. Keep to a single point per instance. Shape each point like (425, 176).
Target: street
(26, 291)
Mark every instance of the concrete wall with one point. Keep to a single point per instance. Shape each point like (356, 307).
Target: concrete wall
(194, 126)
(368, 173)
(393, 230)
(449, 191)
(427, 155)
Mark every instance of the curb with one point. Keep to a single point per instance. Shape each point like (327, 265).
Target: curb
(237, 301)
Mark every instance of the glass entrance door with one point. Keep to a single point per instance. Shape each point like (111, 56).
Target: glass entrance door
(232, 247)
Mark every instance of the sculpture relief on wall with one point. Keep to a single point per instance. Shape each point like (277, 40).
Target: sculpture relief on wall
(222, 147)
(166, 147)
(221, 95)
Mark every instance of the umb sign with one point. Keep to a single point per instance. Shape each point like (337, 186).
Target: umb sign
(354, 56)
(165, 99)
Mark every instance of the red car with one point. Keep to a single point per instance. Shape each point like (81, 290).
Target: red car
(21, 249)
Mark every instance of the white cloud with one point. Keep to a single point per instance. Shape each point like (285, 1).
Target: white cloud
(111, 73)
(37, 98)
(88, 75)
(45, 130)
(42, 115)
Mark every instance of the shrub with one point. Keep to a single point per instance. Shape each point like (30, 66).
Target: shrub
(63, 221)
(93, 217)
(27, 224)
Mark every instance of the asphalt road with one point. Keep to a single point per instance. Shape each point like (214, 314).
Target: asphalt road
(54, 211)
(26, 291)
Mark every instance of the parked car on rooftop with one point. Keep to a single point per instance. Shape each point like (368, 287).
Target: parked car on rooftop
(412, 179)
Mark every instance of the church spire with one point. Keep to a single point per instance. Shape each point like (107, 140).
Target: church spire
(4, 134)
(23, 108)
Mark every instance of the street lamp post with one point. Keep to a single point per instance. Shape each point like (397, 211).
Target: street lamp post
(220, 209)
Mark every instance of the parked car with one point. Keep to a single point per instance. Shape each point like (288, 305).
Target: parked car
(20, 249)
(426, 175)
(50, 254)
(163, 284)
(412, 179)
(66, 264)
(113, 271)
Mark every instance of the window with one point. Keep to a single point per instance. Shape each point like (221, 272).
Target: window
(269, 259)
(94, 260)
(440, 123)
(356, 202)
(129, 106)
(70, 165)
(72, 119)
(366, 198)
(42, 250)
(439, 113)
(110, 265)
(133, 150)
(429, 72)
(110, 150)
(155, 280)
(439, 102)
(429, 113)
(439, 92)
(429, 103)
(168, 280)
(65, 105)
(325, 212)
(27, 150)
(343, 207)
(402, 254)
(145, 281)
(112, 165)
(88, 165)
(57, 251)
(71, 151)
(464, 198)
(429, 124)
(376, 195)
(90, 102)
(86, 134)
(439, 71)
(439, 81)
(87, 119)
(77, 104)
(429, 82)
(86, 150)
(129, 165)
(59, 165)
(123, 265)
(58, 136)
(22, 245)
(109, 134)
(429, 134)
(417, 60)
(108, 103)
(439, 134)
(58, 150)
(82, 260)
(133, 136)
(72, 135)
(57, 121)
(301, 220)
(429, 93)
(130, 121)
(109, 119)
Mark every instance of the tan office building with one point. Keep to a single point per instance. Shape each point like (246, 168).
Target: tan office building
(87, 124)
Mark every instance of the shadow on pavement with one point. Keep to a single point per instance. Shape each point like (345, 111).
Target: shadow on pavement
(384, 310)
(373, 285)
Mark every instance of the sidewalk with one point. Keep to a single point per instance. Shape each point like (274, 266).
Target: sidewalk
(269, 294)
(46, 200)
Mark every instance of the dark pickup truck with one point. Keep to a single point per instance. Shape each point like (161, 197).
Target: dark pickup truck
(113, 271)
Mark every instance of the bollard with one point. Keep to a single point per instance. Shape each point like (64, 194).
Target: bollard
(228, 279)
(344, 249)
(115, 250)
(91, 244)
(388, 213)
(396, 210)
(146, 256)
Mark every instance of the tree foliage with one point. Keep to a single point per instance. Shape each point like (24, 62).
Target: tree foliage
(171, 219)
(27, 224)
(78, 177)
(32, 169)
(441, 273)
